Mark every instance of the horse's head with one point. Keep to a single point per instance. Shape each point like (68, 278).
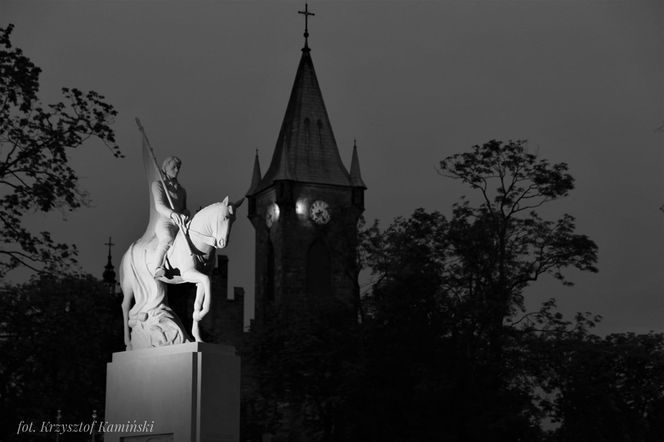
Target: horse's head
(223, 220)
(215, 221)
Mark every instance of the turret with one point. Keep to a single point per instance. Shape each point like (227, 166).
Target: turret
(109, 271)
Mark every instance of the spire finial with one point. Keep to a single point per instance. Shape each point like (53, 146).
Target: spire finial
(109, 271)
(306, 14)
(109, 244)
(256, 176)
(355, 174)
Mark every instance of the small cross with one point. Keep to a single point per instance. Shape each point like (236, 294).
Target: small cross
(306, 14)
(109, 244)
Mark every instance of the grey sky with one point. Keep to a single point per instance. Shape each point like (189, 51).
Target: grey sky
(412, 81)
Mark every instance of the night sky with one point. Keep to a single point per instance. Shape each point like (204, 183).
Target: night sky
(413, 82)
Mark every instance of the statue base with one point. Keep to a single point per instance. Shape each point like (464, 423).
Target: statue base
(183, 393)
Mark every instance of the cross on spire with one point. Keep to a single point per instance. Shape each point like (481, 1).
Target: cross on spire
(109, 272)
(109, 244)
(306, 14)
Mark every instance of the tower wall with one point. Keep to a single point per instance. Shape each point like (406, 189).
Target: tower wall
(291, 236)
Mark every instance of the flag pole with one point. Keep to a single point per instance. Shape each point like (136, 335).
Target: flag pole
(154, 159)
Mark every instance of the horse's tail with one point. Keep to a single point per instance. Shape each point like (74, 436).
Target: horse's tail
(130, 275)
(125, 268)
(135, 276)
(125, 273)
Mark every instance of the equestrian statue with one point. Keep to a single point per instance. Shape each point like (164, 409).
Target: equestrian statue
(174, 249)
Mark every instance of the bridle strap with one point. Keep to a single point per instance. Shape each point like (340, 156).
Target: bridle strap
(208, 239)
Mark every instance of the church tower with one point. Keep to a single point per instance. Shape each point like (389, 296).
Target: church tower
(306, 207)
(108, 276)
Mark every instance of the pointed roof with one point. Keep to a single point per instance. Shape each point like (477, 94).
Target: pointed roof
(355, 175)
(306, 150)
(109, 271)
(256, 176)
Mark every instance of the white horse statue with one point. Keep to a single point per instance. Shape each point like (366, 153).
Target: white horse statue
(190, 259)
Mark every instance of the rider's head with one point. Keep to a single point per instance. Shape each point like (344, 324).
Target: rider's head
(171, 167)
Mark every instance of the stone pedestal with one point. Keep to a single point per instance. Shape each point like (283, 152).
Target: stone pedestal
(182, 393)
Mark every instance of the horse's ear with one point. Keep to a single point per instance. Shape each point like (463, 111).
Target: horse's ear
(225, 201)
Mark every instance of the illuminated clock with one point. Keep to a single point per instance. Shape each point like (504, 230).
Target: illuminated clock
(320, 212)
(271, 214)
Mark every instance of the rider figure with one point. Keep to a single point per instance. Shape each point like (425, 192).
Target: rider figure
(169, 220)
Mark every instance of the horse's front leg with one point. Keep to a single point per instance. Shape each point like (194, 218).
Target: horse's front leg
(202, 301)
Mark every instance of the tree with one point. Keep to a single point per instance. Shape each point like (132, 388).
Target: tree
(499, 247)
(445, 339)
(503, 245)
(35, 141)
(56, 335)
(598, 388)
(426, 373)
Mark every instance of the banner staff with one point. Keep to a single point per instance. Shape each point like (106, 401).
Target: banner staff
(154, 159)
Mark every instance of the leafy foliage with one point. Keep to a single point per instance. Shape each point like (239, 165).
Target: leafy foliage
(35, 141)
(503, 244)
(56, 336)
(448, 297)
(428, 361)
(600, 388)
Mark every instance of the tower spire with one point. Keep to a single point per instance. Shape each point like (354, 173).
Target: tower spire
(355, 175)
(306, 150)
(306, 14)
(109, 271)
(256, 176)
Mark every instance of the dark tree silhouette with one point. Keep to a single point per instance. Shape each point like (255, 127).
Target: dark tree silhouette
(598, 388)
(428, 375)
(35, 174)
(503, 244)
(56, 336)
(445, 341)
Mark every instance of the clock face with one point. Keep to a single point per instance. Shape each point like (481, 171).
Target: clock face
(271, 215)
(320, 212)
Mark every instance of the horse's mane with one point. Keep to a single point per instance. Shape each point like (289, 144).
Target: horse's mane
(206, 211)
